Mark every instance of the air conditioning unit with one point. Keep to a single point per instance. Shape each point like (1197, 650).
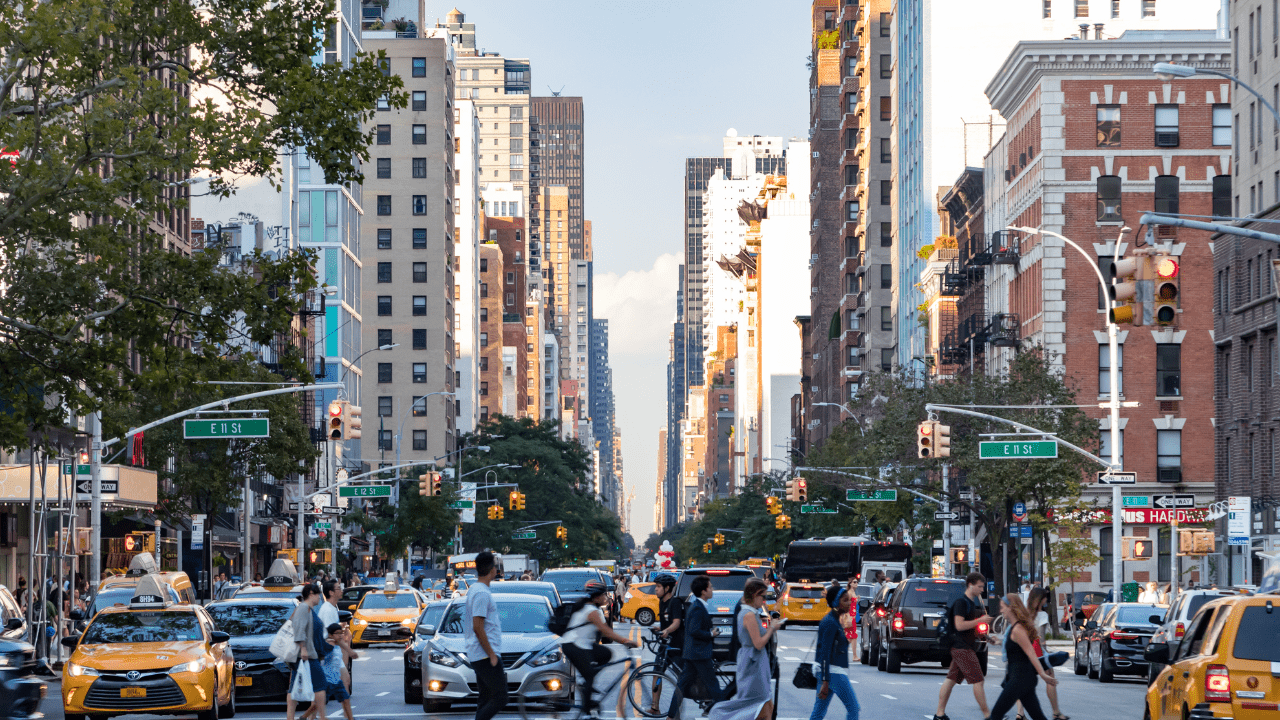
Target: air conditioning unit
(1169, 474)
(1166, 139)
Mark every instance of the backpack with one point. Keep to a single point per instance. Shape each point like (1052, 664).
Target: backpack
(559, 623)
(947, 630)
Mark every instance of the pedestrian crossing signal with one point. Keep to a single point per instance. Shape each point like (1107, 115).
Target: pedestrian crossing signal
(1136, 548)
(959, 555)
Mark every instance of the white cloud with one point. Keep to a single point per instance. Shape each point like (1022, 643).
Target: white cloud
(640, 306)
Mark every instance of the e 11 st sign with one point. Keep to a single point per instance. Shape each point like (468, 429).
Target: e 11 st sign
(527, 535)
(226, 428)
(1017, 449)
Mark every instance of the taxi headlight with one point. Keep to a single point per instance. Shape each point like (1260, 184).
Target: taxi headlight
(409, 622)
(76, 670)
(359, 621)
(551, 656)
(193, 666)
(440, 657)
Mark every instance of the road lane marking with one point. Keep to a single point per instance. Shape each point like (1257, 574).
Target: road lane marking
(791, 659)
(385, 692)
(888, 696)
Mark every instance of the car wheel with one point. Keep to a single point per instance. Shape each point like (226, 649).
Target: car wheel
(1104, 675)
(873, 651)
(644, 616)
(1093, 670)
(880, 660)
(893, 661)
(864, 653)
(1080, 669)
(229, 710)
(212, 712)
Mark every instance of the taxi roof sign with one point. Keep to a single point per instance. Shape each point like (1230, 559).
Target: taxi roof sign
(150, 593)
(393, 582)
(282, 572)
(142, 564)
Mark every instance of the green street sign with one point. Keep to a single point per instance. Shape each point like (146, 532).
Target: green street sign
(363, 491)
(1017, 449)
(80, 470)
(322, 525)
(1137, 501)
(462, 504)
(226, 428)
(529, 535)
(818, 509)
(873, 496)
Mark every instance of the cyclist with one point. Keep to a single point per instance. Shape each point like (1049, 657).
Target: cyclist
(581, 642)
(670, 611)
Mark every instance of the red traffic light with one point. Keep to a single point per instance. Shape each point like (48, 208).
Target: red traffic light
(130, 544)
(1166, 268)
(335, 409)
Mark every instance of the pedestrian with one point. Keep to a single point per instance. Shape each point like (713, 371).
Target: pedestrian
(1039, 599)
(1024, 666)
(966, 614)
(698, 639)
(1150, 594)
(337, 678)
(581, 642)
(832, 656)
(305, 625)
(754, 698)
(483, 633)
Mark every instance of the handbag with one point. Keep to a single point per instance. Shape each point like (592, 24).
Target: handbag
(302, 691)
(804, 678)
(282, 645)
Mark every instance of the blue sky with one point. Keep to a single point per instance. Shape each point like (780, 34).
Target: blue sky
(660, 81)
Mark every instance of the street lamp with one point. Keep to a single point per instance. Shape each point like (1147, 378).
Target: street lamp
(1169, 71)
(366, 352)
(842, 407)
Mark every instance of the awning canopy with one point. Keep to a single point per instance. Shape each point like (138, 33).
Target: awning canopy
(136, 487)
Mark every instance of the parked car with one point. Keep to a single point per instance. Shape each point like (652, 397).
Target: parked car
(20, 691)
(1118, 640)
(428, 623)
(252, 622)
(1173, 624)
(528, 647)
(911, 631)
(1087, 635)
(1224, 667)
(13, 622)
(1084, 603)
(874, 620)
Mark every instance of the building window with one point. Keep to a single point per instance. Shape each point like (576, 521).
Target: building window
(384, 406)
(384, 204)
(1164, 555)
(419, 167)
(484, 315)
(1169, 455)
(886, 67)
(484, 290)
(886, 359)
(1104, 446)
(1167, 194)
(384, 238)
(886, 150)
(1109, 198)
(886, 318)
(384, 134)
(886, 107)
(419, 238)
(385, 440)
(851, 209)
(419, 372)
(850, 138)
(384, 305)
(1148, 8)
(515, 129)
(484, 340)
(886, 192)
(511, 298)
(1104, 369)
(1108, 126)
(1169, 370)
(419, 134)
(419, 272)
(886, 24)
(1222, 195)
(886, 277)
(1115, 9)
(1166, 126)
(419, 304)
(384, 372)
(851, 174)
(419, 439)
(1222, 125)
(419, 339)
(1047, 11)
(384, 272)
(384, 167)
(511, 278)
(1082, 8)
(886, 234)
(1106, 556)
(384, 337)
(419, 67)
(419, 101)
(419, 204)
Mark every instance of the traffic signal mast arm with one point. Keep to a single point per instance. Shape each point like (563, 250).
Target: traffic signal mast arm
(942, 503)
(936, 408)
(361, 476)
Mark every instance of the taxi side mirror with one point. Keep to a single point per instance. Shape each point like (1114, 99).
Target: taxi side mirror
(217, 636)
(71, 642)
(863, 605)
(76, 615)
(1157, 652)
(1091, 625)
(15, 623)
(344, 616)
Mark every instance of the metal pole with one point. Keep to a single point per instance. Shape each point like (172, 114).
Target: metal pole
(95, 506)
(60, 537)
(32, 585)
(300, 534)
(946, 524)
(246, 546)
(333, 530)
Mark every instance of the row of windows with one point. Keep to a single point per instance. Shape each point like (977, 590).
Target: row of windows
(1166, 196)
(385, 375)
(1255, 374)
(418, 167)
(417, 204)
(1168, 453)
(417, 134)
(1148, 8)
(419, 272)
(419, 305)
(1256, 281)
(1166, 125)
(419, 238)
(1168, 369)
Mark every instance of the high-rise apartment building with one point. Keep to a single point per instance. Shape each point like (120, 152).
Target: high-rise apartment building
(677, 387)
(603, 416)
(410, 257)
(559, 143)
(518, 313)
(467, 229)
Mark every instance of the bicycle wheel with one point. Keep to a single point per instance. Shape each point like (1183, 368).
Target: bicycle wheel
(650, 690)
(549, 691)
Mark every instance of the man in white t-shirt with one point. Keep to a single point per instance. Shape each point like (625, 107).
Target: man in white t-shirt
(328, 612)
(483, 633)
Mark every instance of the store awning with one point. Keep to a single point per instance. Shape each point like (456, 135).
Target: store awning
(135, 487)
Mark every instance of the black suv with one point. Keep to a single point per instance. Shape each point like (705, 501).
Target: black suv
(911, 632)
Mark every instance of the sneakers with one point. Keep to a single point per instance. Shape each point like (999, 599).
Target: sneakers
(941, 717)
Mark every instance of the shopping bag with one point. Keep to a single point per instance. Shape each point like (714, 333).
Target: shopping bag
(302, 690)
(283, 646)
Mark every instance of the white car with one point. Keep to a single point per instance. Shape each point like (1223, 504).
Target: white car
(1177, 619)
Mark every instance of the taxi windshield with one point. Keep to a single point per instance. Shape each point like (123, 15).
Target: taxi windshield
(388, 601)
(241, 620)
(140, 627)
(119, 595)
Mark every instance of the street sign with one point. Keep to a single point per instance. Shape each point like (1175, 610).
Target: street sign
(1239, 520)
(946, 516)
(873, 496)
(364, 491)
(1017, 449)
(226, 428)
(109, 487)
(1117, 478)
(1025, 531)
(197, 532)
(818, 509)
(1166, 502)
(322, 525)
(1138, 501)
(462, 505)
(526, 535)
(80, 469)
(1020, 512)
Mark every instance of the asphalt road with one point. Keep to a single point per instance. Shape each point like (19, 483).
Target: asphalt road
(910, 695)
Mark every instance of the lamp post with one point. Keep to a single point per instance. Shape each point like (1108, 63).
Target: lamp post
(1113, 347)
(1169, 71)
(366, 352)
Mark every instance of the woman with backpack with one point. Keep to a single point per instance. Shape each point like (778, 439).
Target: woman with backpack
(580, 641)
(1023, 662)
(832, 656)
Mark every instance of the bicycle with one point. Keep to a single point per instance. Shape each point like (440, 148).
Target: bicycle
(535, 705)
(645, 684)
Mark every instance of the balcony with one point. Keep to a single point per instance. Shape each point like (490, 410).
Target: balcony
(849, 12)
(855, 261)
(954, 280)
(1003, 249)
(850, 192)
(849, 121)
(849, 156)
(1005, 329)
(849, 84)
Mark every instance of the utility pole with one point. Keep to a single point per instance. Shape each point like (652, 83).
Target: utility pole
(95, 508)
(946, 524)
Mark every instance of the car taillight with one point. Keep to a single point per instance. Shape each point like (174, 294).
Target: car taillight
(880, 612)
(1179, 630)
(1123, 635)
(897, 622)
(982, 628)
(1217, 684)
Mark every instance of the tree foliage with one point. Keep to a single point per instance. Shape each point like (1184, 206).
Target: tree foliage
(108, 109)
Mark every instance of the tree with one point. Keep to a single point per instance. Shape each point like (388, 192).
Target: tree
(108, 110)
(1074, 551)
(415, 521)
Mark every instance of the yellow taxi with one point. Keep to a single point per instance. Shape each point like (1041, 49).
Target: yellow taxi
(119, 589)
(1227, 665)
(151, 656)
(803, 602)
(389, 615)
(640, 603)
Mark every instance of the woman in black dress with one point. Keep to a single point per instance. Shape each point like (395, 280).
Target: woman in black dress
(1023, 664)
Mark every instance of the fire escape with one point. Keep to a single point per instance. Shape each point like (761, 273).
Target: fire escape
(964, 345)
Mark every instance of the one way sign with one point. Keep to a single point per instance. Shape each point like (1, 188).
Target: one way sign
(109, 487)
(1169, 502)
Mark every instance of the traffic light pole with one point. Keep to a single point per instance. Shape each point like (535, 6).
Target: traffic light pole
(946, 523)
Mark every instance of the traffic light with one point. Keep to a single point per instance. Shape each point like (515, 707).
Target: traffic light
(706, 547)
(1195, 542)
(562, 533)
(135, 542)
(802, 490)
(959, 555)
(437, 483)
(1165, 269)
(335, 420)
(350, 421)
(1126, 275)
(424, 484)
(791, 489)
(924, 439)
(496, 513)
(320, 555)
(941, 440)
(1136, 548)
(719, 539)
(773, 505)
(782, 522)
(520, 501)
(513, 500)
(778, 522)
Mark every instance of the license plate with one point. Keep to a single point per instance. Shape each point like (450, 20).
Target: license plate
(133, 692)
(244, 681)
(808, 607)
(384, 633)
(933, 623)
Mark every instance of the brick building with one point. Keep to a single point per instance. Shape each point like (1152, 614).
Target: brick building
(1093, 140)
(520, 320)
(489, 390)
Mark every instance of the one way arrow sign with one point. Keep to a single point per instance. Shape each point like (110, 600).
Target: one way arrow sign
(109, 487)
(1169, 502)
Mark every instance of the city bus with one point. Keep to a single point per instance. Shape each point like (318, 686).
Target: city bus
(465, 564)
(821, 560)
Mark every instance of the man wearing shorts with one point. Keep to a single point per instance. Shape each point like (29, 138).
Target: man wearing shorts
(966, 614)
